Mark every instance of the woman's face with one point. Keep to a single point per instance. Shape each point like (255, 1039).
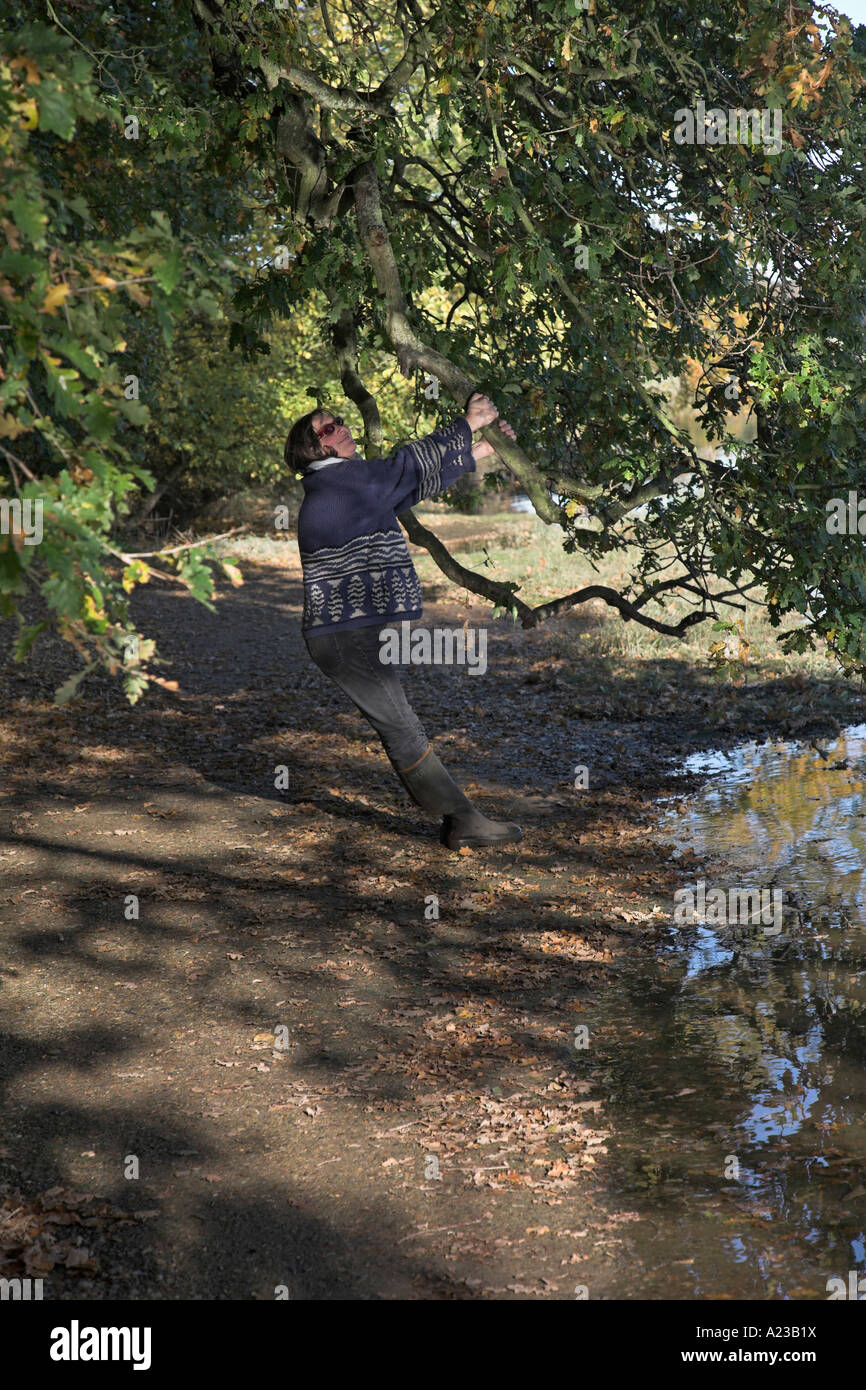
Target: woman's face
(341, 440)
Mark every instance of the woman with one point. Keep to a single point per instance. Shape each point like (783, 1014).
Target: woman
(359, 578)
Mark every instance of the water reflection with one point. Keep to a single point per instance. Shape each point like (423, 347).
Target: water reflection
(733, 1069)
(796, 810)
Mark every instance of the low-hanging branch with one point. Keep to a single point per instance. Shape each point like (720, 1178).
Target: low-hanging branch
(319, 202)
(500, 593)
(503, 594)
(411, 352)
(345, 340)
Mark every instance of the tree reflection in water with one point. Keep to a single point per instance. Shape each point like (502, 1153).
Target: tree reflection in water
(735, 1050)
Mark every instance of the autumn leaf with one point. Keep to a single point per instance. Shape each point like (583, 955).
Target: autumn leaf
(136, 573)
(91, 611)
(29, 113)
(24, 61)
(232, 573)
(10, 428)
(138, 294)
(102, 278)
(57, 295)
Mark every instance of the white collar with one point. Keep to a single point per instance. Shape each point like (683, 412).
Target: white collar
(323, 463)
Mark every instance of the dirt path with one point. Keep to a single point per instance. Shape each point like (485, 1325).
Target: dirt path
(417, 1125)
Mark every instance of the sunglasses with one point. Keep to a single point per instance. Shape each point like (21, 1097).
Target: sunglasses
(329, 429)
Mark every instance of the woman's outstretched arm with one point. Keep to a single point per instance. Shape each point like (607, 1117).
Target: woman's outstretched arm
(425, 467)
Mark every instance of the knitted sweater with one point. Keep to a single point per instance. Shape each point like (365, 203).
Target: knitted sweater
(356, 563)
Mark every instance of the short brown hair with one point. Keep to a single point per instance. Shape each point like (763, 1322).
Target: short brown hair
(304, 446)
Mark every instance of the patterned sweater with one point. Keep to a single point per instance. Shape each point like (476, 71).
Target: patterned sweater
(356, 563)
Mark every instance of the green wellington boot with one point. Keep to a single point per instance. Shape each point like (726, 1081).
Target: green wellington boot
(432, 787)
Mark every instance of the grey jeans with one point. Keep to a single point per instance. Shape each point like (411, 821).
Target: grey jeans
(351, 660)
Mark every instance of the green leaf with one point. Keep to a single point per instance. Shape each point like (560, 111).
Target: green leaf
(26, 637)
(99, 419)
(69, 688)
(56, 110)
(11, 581)
(30, 217)
(168, 272)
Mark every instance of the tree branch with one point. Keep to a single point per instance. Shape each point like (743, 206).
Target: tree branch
(334, 98)
(297, 143)
(416, 49)
(504, 594)
(498, 592)
(345, 340)
(14, 459)
(458, 242)
(628, 610)
(411, 352)
(176, 549)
